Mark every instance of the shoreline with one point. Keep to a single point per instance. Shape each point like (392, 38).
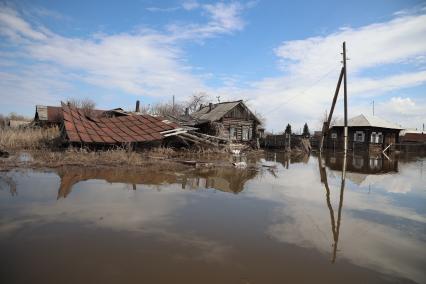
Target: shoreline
(161, 158)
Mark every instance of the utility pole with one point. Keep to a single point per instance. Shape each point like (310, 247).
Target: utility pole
(173, 104)
(373, 107)
(345, 88)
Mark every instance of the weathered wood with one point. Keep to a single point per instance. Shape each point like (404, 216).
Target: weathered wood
(174, 133)
(210, 136)
(197, 139)
(172, 130)
(188, 139)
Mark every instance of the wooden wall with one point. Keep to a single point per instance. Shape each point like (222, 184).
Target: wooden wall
(389, 136)
(240, 118)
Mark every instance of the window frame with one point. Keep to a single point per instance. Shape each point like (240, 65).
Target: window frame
(362, 136)
(245, 133)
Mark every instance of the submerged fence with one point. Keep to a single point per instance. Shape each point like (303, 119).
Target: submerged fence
(419, 148)
(282, 141)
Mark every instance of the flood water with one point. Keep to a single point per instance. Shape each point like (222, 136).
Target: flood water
(284, 222)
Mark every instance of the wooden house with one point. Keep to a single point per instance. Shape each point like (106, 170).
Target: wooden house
(232, 120)
(365, 133)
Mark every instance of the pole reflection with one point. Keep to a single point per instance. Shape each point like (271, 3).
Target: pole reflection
(335, 226)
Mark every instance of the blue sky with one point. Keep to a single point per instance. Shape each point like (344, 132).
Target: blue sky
(282, 57)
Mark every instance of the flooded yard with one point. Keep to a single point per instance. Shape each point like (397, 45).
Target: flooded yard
(281, 221)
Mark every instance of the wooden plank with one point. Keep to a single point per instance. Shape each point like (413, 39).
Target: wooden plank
(174, 133)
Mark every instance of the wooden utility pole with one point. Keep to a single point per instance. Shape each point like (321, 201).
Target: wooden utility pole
(173, 103)
(326, 125)
(345, 90)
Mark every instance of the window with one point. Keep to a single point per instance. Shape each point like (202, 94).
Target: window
(376, 137)
(358, 162)
(376, 164)
(245, 133)
(250, 133)
(359, 136)
(373, 137)
(233, 133)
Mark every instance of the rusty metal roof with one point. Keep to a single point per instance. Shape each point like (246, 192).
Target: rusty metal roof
(122, 129)
(53, 114)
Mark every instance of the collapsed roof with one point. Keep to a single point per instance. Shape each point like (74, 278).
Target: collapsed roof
(112, 130)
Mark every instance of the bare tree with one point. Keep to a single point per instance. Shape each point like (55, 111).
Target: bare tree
(197, 99)
(86, 105)
(323, 119)
(5, 119)
(261, 118)
(164, 109)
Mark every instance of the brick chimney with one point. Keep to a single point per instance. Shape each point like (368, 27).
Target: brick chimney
(137, 106)
(210, 106)
(186, 111)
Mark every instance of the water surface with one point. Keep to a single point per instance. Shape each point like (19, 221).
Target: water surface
(283, 222)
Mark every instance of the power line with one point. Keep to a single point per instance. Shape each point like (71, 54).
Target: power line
(303, 92)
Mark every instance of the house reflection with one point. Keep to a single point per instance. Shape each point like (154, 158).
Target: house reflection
(360, 167)
(362, 164)
(224, 179)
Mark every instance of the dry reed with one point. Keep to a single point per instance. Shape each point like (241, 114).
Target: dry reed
(28, 138)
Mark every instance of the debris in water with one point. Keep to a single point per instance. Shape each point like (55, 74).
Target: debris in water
(240, 165)
(4, 154)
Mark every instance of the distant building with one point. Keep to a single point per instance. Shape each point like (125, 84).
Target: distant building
(232, 120)
(365, 133)
(14, 123)
(412, 136)
(315, 139)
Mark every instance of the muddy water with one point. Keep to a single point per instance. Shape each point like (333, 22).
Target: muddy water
(282, 221)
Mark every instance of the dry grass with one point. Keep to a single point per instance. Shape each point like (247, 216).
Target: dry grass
(28, 138)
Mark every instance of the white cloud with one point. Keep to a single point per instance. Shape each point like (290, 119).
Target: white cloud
(368, 46)
(305, 91)
(190, 5)
(153, 63)
(12, 26)
(148, 62)
(158, 9)
(222, 19)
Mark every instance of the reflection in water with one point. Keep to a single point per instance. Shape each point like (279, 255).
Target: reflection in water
(223, 179)
(8, 182)
(275, 230)
(362, 164)
(285, 158)
(335, 228)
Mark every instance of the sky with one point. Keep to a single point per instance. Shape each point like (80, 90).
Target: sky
(283, 58)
